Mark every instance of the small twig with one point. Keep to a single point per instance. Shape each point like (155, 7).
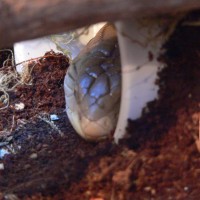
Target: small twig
(13, 123)
(45, 117)
(6, 62)
(7, 98)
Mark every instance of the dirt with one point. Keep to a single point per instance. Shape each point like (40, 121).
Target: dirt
(158, 159)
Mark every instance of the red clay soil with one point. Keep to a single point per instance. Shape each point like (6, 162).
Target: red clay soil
(159, 158)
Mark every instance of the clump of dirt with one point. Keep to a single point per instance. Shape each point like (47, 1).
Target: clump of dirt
(40, 90)
(158, 159)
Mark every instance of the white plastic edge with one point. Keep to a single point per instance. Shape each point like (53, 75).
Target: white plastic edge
(139, 49)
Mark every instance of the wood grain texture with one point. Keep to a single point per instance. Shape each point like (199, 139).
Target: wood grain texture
(26, 19)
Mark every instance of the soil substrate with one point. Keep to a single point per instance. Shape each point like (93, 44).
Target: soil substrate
(158, 159)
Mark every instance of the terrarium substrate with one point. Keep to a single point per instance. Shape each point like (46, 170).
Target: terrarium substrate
(158, 159)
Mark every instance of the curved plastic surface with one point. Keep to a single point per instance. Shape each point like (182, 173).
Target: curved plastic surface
(139, 49)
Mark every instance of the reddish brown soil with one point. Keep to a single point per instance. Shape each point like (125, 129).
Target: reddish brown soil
(158, 159)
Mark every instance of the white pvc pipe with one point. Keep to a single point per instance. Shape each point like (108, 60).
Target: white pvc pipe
(139, 48)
